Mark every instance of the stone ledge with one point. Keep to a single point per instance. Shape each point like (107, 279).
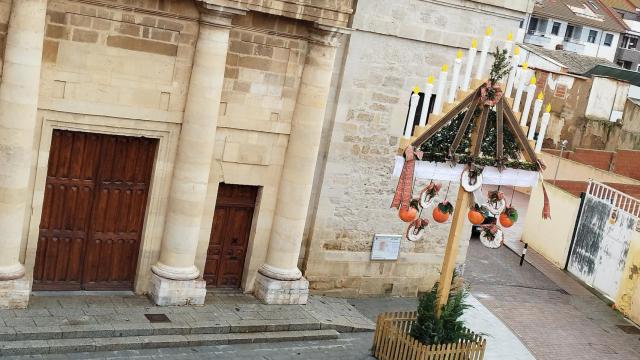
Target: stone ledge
(272, 291)
(167, 292)
(14, 294)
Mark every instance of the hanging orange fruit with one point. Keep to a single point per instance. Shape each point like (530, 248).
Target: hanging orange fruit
(509, 216)
(409, 213)
(475, 215)
(441, 212)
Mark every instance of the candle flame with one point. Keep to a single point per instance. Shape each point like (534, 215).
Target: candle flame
(416, 89)
(516, 50)
(459, 54)
(532, 81)
(524, 66)
(474, 43)
(510, 36)
(547, 108)
(430, 79)
(540, 95)
(487, 31)
(444, 67)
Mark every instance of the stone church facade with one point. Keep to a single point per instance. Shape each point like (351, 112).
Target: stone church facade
(122, 122)
(167, 146)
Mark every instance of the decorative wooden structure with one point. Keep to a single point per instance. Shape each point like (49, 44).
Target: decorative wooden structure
(392, 341)
(475, 113)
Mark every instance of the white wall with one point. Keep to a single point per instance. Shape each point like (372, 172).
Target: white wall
(606, 96)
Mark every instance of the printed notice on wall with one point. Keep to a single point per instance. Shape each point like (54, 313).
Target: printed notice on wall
(385, 247)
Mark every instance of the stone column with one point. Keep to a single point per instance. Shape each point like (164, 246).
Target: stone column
(279, 281)
(176, 279)
(18, 108)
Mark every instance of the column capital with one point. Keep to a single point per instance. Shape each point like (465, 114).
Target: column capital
(326, 35)
(217, 15)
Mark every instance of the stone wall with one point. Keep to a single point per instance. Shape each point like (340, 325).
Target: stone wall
(264, 63)
(5, 10)
(393, 46)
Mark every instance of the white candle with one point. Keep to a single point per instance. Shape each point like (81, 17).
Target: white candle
(486, 43)
(531, 90)
(534, 118)
(440, 94)
(428, 91)
(543, 127)
(520, 88)
(457, 64)
(413, 105)
(512, 74)
(509, 44)
(467, 71)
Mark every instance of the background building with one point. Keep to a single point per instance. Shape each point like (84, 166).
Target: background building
(586, 27)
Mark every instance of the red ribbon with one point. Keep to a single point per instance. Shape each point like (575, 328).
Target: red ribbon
(546, 208)
(404, 189)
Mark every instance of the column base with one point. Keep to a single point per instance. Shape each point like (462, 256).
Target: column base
(14, 294)
(168, 292)
(272, 291)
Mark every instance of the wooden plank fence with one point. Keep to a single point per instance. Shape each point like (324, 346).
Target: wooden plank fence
(392, 341)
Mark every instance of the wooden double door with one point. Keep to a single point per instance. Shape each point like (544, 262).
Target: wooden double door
(93, 211)
(229, 237)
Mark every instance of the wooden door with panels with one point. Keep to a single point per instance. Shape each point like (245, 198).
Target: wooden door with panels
(230, 234)
(93, 211)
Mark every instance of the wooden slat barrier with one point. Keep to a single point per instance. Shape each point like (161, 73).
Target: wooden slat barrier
(392, 341)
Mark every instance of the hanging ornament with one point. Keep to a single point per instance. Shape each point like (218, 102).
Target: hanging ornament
(491, 236)
(428, 194)
(442, 211)
(404, 189)
(410, 213)
(477, 214)
(471, 178)
(509, 216)
(496, 202)
(417, 230)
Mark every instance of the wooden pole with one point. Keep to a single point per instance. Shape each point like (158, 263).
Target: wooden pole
(451, 252)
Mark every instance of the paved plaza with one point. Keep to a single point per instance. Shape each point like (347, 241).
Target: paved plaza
(554, 315)
(528, 312)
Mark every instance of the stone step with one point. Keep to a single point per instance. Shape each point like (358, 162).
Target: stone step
(150, 329)
(52, 346)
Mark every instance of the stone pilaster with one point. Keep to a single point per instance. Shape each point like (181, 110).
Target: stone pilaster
(279, 280)
(175, 279)
(18, 109)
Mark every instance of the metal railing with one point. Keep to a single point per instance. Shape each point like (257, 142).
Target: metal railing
(616, 197)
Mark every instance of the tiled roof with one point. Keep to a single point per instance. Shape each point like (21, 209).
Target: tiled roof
(625, 5)
(575, 63)
(592, 13)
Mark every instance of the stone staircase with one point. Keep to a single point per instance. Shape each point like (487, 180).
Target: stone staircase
(64, 324)
(86, 338)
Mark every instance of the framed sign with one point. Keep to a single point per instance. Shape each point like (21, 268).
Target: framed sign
(385, 247)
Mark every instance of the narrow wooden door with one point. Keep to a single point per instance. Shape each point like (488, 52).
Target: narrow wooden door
(93, 211)
(230, 235)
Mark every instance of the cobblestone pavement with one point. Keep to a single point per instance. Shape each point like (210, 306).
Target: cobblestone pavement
(554, 315)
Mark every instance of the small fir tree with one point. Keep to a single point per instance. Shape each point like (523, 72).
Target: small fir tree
(448, 328)
(501, 66)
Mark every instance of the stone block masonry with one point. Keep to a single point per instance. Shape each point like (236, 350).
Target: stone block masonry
(393, 47)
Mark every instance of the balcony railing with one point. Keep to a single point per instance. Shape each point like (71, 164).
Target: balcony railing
(537, 39)
(573, 46)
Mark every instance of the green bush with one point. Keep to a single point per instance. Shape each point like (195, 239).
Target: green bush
(448, 328)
